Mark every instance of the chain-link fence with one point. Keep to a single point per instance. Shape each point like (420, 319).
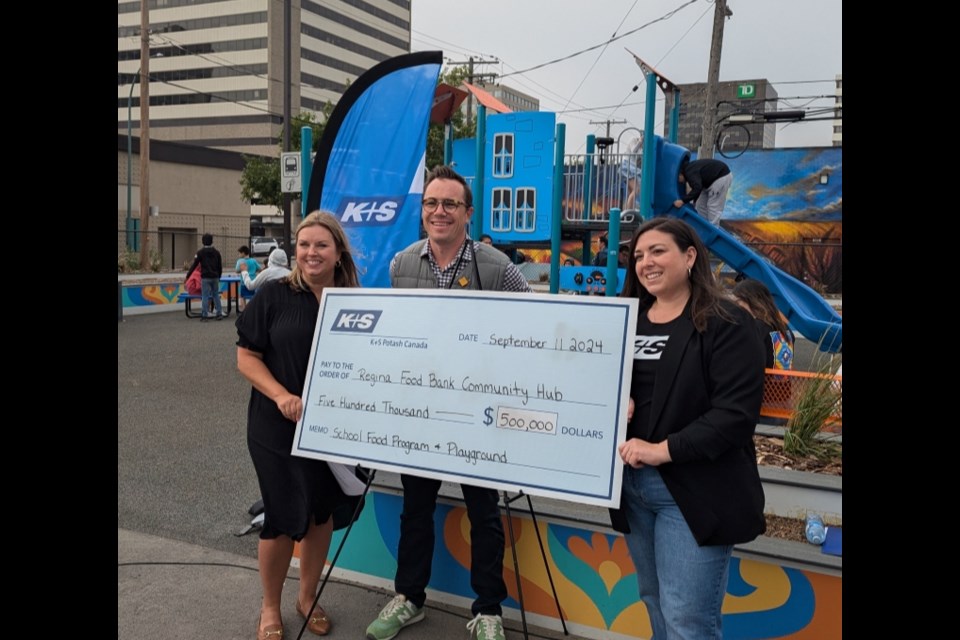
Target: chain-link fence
(174, 249)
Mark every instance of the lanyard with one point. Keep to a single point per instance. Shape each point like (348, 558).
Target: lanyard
(456, 268)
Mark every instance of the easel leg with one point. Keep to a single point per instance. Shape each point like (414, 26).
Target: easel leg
(543, 554)
(516, 565)
(546, 565)
(336, 556)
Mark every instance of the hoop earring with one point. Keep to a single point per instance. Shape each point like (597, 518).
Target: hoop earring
(340, 265)
(689, 273)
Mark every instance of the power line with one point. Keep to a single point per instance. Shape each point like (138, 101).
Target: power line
(600, 55)
(466, 53)
(831, 81)
(662, 58)
(662, 18)
(609, 106)
(680, 39)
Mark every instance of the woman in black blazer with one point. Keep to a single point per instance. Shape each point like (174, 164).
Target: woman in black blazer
(691, 488)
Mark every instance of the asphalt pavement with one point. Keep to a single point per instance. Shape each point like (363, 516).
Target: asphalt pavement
(185, 482)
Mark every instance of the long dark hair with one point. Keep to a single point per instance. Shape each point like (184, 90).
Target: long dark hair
(760, 302)
(345, 271)
(706, 295)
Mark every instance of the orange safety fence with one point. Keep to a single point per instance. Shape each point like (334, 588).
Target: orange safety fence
(782, 388)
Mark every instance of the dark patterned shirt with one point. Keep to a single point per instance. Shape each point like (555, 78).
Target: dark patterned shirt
(513, 280)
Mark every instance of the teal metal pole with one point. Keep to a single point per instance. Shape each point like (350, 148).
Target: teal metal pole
(306, 167)
(557, 219)
(477, 225)
(675, 117)
(649, 162)
(588, 176)
(447, 143)
(588, 192)
(613, 251)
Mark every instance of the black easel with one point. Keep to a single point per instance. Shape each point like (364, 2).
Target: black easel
(372, 473)
(516, 564)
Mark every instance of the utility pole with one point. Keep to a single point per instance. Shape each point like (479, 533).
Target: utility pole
(608, 123)
(144, 135)
(471, 76)
(720, 13)
(287, 99)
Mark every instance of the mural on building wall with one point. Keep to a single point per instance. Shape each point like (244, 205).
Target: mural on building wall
(595, 580)
(787, 184)
(787, 204)
(809, 251)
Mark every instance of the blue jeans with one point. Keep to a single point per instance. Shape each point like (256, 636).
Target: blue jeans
(681, 583)
(210, 288)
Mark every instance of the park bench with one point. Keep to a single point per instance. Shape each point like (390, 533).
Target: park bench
(189, 298)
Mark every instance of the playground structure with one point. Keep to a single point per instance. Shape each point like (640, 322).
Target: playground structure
(589, 196)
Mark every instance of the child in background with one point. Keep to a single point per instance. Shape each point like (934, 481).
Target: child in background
(753, 296)
(252, 266)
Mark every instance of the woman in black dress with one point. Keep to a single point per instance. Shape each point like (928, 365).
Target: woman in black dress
(275, 334)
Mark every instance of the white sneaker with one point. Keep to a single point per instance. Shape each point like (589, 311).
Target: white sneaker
(485, 627)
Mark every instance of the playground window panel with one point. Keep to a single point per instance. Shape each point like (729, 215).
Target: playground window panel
(501, 209)
(503, 155)
(525, 210)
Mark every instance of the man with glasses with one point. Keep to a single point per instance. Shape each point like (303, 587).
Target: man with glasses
(448, 259)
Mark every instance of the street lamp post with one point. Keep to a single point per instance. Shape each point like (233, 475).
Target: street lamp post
(133, 243)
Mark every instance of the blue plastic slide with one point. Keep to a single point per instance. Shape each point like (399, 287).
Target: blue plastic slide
(806, 310)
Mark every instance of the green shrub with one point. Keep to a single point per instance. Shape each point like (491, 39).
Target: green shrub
(817, 402)
(128, 261)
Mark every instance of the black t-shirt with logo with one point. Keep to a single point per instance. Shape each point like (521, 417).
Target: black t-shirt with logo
(651, 340)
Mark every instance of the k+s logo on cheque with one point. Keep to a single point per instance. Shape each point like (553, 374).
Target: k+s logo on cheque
(369, 212)
(356, 320)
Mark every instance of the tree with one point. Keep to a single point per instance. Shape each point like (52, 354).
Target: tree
(260, 180)
(453, 77)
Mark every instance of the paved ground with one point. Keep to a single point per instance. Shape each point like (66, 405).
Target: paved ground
(184, 483)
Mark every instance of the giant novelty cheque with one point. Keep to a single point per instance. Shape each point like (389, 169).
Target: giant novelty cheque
(517, 392)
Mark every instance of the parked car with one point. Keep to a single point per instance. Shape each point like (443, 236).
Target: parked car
(261, 246)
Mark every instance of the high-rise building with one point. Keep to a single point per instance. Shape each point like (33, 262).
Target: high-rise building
(516, 100)
(838, 113)
(735, 96)
(216, 66)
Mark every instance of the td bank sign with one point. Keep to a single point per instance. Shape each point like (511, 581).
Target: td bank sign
(746, 91)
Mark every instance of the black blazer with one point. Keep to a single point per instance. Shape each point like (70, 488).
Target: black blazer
(706, 404)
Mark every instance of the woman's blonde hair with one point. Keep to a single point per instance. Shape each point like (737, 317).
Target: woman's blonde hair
(345, 271)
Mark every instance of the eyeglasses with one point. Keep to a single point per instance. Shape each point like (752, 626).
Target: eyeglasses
(449, 206)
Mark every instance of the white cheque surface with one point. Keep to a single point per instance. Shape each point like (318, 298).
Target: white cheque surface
(504, 390)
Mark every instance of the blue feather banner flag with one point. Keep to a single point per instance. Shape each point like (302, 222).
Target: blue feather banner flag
(369, 166)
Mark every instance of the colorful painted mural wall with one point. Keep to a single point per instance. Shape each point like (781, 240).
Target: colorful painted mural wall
(148, 295)
(594, 578)
(154, 295)
(788, 205)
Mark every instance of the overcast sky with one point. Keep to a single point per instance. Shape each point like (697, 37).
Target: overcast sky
(788, 42)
